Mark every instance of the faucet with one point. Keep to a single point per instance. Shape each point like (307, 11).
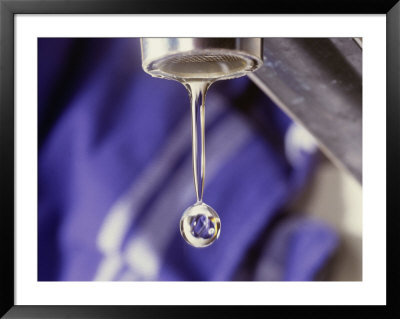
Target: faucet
(206, 59)
(316, 81)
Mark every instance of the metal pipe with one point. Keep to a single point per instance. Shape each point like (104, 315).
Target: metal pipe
(318, 82)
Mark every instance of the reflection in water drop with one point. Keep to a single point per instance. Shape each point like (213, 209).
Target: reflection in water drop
(200, 225)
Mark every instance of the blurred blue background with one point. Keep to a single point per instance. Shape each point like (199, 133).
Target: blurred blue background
(115, 175)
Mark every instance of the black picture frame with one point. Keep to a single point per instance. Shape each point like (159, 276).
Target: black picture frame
(8, 10)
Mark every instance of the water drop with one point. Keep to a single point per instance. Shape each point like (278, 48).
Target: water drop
(200, 225)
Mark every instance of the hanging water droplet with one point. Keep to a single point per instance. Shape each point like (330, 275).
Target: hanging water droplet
(200, 225)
